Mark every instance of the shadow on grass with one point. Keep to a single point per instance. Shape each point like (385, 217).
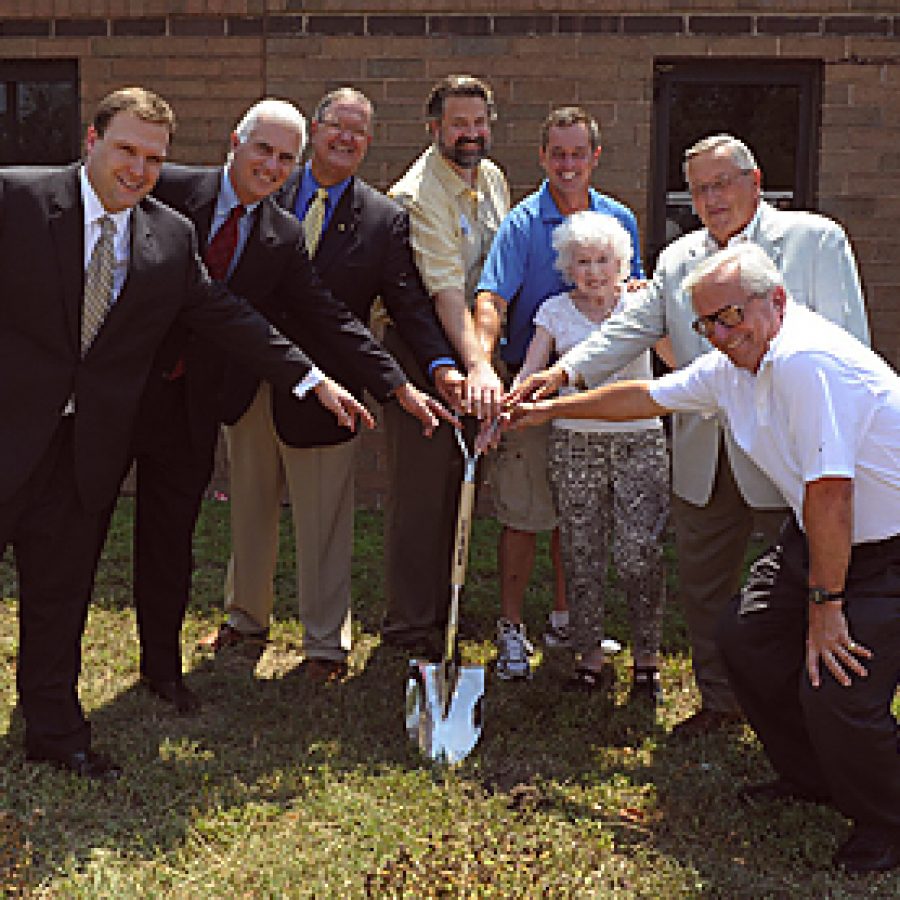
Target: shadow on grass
(562, 786)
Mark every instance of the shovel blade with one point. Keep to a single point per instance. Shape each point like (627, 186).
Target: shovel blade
(444, 720)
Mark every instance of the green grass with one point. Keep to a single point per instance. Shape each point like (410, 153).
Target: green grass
(283, 789)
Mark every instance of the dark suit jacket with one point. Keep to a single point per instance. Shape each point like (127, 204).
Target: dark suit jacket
(41, 288)
(364, 253)
(275, 275)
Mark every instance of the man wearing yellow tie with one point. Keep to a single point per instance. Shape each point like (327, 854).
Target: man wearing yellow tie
(259, 250)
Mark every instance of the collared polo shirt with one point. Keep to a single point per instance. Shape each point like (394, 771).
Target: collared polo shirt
(521, 265)
(821, 405)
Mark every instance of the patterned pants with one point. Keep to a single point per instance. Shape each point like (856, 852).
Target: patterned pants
(612, 494)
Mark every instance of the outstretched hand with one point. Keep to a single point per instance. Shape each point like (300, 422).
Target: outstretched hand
(424, 407)
(450, 384)
(344, 406)
(537, 387)
(483, 392)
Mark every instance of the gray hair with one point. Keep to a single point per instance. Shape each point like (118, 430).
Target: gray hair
(757, 274)
(741, 155)
(344, 95)
(269, 110)
(590, 229)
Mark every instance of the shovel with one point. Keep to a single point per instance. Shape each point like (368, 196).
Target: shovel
(443, 700)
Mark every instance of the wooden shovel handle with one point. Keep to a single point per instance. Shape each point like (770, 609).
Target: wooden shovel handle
(463, 528)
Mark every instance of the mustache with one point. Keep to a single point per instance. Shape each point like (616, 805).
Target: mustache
(463, 142)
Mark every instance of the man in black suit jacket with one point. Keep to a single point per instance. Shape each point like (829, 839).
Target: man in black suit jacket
(363, 254)
(68, 401)
(178, 424)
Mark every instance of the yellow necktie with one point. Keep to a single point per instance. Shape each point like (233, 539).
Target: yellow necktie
(98, 283)
(314, 220)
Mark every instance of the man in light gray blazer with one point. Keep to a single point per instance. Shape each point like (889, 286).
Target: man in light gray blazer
(720, 495)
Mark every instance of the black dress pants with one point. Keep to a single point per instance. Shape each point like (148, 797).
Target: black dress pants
(57, 544)
(173, 469)
(841, 741)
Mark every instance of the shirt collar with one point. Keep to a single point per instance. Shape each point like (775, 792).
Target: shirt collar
(451, 181)
(309, 186)
(228, 198)
(745, 234)
(93, 208)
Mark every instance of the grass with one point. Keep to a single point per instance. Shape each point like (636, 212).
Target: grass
(283, 789)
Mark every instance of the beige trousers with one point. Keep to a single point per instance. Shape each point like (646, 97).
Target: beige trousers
(320, 484)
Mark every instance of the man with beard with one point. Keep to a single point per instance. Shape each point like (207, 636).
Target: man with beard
(456, 199)
(518, 276)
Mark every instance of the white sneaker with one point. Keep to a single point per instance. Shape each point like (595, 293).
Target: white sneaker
(514, 651)
(556, 635)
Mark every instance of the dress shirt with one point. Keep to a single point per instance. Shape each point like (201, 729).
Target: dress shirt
(226, 201)
(307, 190)
(451, 224)
(821, 405)
(93, 213)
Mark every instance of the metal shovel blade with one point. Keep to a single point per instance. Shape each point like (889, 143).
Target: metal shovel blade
(443, 709)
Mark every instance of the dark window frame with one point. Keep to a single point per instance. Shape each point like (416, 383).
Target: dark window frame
(805, 74)
(14, 72)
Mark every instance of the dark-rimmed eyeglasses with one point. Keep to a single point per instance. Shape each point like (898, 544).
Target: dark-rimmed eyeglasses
(728, 317)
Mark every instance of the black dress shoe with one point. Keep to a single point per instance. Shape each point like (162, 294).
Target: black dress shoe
(83, 763)
(176, 692)
(869, 849)
(779, 789)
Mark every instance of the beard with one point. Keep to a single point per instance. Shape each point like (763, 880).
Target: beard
(465, 152)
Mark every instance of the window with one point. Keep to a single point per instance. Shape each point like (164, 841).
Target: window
(39, 116)
(771, 105)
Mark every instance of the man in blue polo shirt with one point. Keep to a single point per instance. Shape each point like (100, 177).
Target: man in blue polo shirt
(518, 276)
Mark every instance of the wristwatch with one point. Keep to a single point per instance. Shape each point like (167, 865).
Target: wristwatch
(820, 595)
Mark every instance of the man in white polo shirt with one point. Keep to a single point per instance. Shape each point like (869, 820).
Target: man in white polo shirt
(819, 413)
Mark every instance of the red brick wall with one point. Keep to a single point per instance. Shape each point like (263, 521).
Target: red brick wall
(212, 58)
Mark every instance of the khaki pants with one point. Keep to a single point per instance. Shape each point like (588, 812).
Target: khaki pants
(320, 483)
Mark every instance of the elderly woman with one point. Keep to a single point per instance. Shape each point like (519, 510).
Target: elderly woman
(610, 479)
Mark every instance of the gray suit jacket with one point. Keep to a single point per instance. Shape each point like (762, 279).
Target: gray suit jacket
(819, 269)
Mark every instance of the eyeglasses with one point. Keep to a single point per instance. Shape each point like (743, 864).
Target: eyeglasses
(356, 132)
(719, 185)
(728, 317)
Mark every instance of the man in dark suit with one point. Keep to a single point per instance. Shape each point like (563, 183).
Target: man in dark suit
(178, 425)
(362, 253)
(93, 273)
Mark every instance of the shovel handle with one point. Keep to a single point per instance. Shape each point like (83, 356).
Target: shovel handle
(463, 528)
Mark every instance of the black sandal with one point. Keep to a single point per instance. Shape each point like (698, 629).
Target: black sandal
(592, 680)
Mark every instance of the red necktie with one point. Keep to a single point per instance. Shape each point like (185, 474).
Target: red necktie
(221, 248)
(217, 258)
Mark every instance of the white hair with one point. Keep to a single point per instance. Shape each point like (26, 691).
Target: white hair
(741, 155)
(279, 112)
(590, 229)
(757, 274)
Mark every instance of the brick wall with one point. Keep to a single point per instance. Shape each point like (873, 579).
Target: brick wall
(212, 58)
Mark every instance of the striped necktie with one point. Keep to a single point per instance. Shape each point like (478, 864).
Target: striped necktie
(98, 283)
(314, 220)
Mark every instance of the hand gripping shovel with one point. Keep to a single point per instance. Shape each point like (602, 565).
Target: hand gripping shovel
(443, 700)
